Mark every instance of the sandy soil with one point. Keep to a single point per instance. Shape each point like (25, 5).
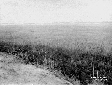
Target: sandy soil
(13, 73)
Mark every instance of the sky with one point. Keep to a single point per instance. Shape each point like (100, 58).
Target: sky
(54, 11)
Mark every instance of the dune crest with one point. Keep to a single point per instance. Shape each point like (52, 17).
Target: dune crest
(18, 74)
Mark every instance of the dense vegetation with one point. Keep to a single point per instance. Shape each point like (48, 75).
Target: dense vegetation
(73, 64)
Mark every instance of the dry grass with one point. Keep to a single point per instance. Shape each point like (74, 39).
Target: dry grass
(96, 83)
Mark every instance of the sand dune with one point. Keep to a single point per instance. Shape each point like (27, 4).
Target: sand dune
(18, 74)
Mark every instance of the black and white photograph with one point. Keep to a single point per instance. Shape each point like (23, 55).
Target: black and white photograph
(55, 42)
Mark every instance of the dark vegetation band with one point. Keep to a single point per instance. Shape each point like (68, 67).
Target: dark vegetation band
(73, 64)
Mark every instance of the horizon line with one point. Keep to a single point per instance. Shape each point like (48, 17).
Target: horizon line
(55, 23)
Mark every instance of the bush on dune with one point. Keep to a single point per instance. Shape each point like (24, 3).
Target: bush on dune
(73, 64)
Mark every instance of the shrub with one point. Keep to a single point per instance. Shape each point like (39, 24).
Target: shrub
(73, 64)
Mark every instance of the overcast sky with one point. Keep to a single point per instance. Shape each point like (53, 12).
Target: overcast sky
(54, 11)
